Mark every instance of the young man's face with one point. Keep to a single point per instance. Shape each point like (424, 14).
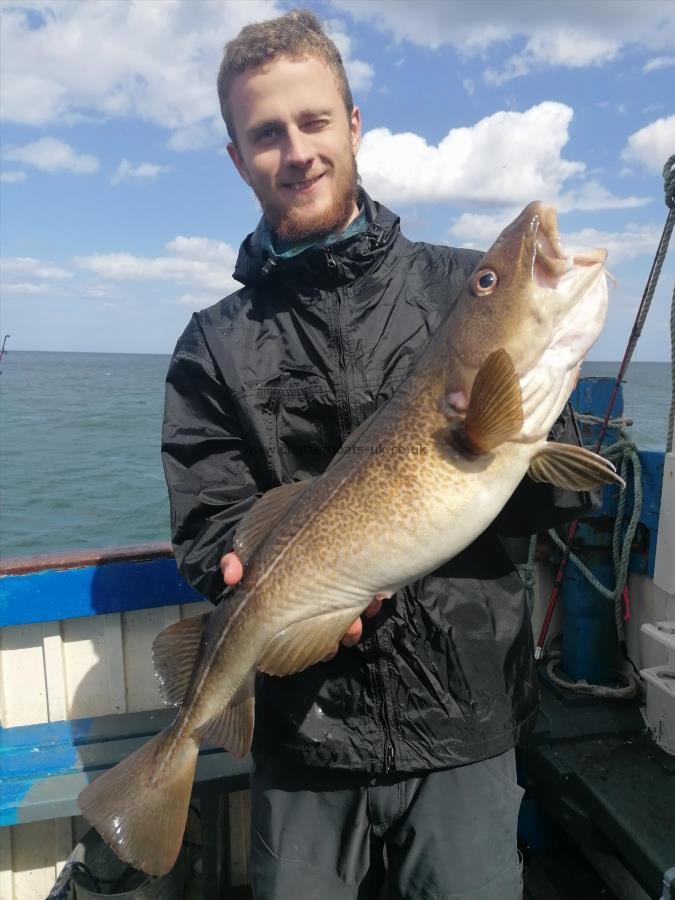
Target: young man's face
(296, 145)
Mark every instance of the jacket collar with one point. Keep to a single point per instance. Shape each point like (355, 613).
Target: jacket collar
(341, 262)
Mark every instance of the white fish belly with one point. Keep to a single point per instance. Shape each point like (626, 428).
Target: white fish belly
(456, 507)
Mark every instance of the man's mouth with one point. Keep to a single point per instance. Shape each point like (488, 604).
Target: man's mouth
(303, 185)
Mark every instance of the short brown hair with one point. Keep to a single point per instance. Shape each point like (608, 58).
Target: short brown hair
(296, 34)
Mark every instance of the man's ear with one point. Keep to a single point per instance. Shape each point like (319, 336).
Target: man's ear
(238, 162)
(355, 128)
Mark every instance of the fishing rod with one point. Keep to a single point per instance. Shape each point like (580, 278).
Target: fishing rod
(3, 352)
(643, 309)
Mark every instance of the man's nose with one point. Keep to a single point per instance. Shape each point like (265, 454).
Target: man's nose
(299, 150)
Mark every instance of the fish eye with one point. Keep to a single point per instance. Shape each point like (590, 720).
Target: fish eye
(486, 281)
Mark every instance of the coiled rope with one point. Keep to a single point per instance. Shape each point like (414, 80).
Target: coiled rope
(624, 454)
(650, 287)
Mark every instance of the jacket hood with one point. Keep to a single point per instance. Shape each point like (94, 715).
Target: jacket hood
(340, 263)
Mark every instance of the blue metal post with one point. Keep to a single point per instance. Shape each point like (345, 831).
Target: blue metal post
(589, 634)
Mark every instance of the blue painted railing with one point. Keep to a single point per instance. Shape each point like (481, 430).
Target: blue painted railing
(68, 587)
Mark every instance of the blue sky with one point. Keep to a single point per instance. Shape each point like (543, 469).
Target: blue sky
(121, 212)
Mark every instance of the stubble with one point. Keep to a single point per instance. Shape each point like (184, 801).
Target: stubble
(294, 224)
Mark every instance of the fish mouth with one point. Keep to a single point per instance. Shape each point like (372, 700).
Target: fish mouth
(570, 303)
(572, 286)
(552, 266)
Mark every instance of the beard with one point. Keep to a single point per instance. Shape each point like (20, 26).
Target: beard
(295, 224)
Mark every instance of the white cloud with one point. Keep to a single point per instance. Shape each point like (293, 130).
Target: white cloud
(156, 60)
(660, 62)
(633, 241)
(562, 46)
(196, 261)
(195, 301)
(197, 137)
(50, 154)
(12, 176)
(652, 145)
(26, 275)
(481, 230)
(505, 159)
(141, 172)
(153, 59)
(560, 34)
(25, 287)
(359, 73)
(27, 266)
(592, 195)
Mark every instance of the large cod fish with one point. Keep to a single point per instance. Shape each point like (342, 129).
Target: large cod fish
(442, 458)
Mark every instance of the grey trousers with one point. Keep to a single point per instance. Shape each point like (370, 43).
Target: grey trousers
(450, 834)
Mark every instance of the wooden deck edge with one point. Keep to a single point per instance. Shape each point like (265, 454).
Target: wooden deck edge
(78, 559)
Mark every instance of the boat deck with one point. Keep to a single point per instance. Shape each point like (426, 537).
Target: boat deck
(597, 773)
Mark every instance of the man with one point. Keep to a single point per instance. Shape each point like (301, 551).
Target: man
(405, 737)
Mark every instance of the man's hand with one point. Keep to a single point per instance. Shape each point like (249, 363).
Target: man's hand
(233, 571)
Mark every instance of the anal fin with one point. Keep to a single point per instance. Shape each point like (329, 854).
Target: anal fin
(232, 728)
(571, 467)
(305, 643)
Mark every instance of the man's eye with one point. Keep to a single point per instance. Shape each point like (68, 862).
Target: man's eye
(266, 135)
(316, 124)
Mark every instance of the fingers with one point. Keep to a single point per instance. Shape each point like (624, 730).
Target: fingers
(374, 607)
(353, 633)
(352, 636)
(232, 569)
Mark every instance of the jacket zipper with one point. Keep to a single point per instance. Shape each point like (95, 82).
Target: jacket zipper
(380, 684)
(343, 399)
(388, 757)
(378, 678)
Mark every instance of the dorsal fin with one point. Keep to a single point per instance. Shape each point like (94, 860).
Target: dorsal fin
(264, 516)
(495, 410)
(174, 654)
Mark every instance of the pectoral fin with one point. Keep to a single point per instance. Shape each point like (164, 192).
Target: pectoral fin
(305, 643)
(232, 728)
(495, 411)
(573, 468)
(264, 516)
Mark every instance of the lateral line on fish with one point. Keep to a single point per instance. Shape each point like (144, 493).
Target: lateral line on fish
(236, 612)
(183, 722)
(305, 525)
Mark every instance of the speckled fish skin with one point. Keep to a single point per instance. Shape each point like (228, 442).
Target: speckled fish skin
(398, 502)
(401, 501)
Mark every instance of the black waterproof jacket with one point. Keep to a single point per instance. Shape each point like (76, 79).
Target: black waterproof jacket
(263, 389)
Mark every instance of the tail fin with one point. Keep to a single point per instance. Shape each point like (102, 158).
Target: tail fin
(140, 806)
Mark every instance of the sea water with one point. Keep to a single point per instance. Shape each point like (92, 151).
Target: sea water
(80, 446)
